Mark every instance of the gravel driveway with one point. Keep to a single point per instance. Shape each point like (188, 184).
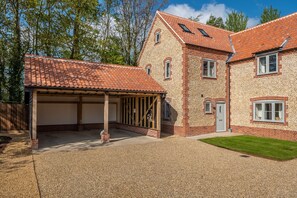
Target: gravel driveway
(175, 167)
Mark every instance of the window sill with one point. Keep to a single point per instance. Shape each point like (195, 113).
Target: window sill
(208, 113)
(269, 122)
(258, 74)
(267, 74)
(209, 78)
(165, 79)
(157, 43)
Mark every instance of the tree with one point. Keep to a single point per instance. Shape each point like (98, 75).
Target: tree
(269, 14)
(196, 19)
(216, 22)
(133, 21)
(236, 22)
(3, 51)
(79, 18)
(16, 53)
(110, 47)
(3, 55)
(111, 31)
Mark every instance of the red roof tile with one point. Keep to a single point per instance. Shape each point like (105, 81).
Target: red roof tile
(219, 38)
(265, 37)
(46, 72)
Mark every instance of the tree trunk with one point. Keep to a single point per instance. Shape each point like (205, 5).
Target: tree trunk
(75, 44)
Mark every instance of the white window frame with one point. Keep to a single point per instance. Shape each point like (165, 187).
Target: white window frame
(273, 102)
(157, 37)
(166, 110)
(166, 68)
(210, 107)
(208, 68)
(267, 63)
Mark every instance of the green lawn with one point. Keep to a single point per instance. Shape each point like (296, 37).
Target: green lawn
(257, 146)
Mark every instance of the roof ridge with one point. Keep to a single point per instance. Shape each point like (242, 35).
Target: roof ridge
(267, 23)
(81, 61)
(194, 21)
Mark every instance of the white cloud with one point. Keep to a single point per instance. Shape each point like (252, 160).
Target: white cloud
(253, 22)
(217, 10)
(184, 10)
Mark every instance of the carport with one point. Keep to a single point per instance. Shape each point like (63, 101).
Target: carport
(70, 95)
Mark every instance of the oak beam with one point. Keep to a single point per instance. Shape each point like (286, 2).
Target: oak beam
(34, 120)
(105, 135)
(137, 111)
(158, 112)
(79, 114)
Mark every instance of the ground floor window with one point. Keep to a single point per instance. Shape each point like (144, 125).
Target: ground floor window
(207, 107)
(166, 110)
(269, 111)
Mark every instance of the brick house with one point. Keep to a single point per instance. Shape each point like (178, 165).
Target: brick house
(217, 80)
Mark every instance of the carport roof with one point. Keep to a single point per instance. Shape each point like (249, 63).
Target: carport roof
(48, 72)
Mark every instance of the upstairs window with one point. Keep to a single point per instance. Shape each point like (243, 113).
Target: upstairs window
(209, 69)
(148, 69)
(167, 70)
(157, 37)
(267, 64)
(184, 27)
(269, 111)
(203, 32)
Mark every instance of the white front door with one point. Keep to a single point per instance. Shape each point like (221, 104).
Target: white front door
(221, 117)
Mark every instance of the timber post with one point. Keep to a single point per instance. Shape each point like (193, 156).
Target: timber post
(105, 135)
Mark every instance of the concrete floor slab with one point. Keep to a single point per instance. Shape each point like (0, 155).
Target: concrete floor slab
(82, 140)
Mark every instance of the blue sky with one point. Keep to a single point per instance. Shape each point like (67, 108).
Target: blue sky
(220, 8)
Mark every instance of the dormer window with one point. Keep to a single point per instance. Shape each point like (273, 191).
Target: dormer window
(203, 32)
(267, 64)
(184, 28)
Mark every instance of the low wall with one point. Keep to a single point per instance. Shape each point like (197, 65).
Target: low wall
(264, 132)
(73, 127)
(140, 130)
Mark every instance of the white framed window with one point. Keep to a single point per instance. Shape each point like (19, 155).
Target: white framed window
(157, 37)
(269, 111)
(267, 64)
(209, 69)
(167, 69)
(207, 107)
(166, 110)
(148, 70)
